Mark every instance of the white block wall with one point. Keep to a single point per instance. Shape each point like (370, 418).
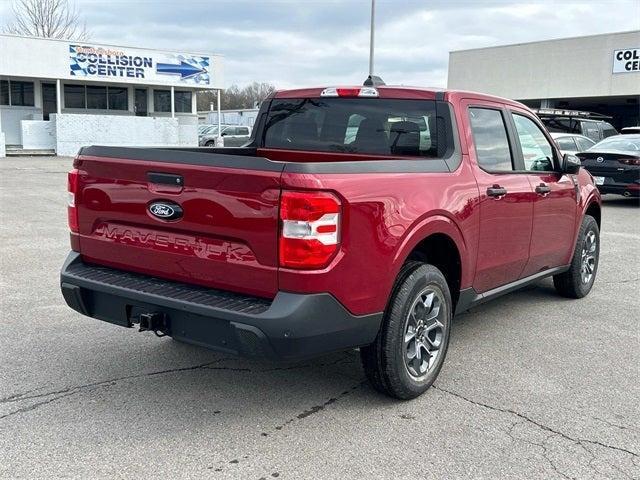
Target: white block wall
(74, 131)
(38, 135)
(11, 118)
(3, 152)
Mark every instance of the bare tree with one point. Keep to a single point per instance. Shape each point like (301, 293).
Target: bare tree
(47, 18)
(235, 97)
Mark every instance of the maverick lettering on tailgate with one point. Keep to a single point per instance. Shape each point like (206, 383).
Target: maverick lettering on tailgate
(208, 248)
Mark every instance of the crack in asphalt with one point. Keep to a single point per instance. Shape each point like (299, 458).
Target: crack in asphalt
(38, 404)
(543, 446)
(64, 392)
(18, 395)
(577, 441)
(300, 416)
(629, 280)
(317, 408)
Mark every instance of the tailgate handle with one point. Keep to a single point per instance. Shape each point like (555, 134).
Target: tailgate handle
(165, 179)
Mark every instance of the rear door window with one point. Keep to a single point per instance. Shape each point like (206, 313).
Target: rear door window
(591, 130)
(376, 126)
(608, 130)
(584, 143)
(566, 143)
(490, 139)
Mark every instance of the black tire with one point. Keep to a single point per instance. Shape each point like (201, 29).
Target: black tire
(572, 284)
(384, 361)
(210, 143)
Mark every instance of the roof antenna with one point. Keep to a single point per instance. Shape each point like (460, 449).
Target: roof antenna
(372, 80)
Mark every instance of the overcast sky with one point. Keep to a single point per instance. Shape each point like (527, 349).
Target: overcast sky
(302, 43)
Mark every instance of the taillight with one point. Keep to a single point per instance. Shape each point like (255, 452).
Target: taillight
(349, 92)
(72, 209)
(629, 161)
(310, 229)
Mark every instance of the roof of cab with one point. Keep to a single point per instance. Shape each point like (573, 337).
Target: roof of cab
(402, 92)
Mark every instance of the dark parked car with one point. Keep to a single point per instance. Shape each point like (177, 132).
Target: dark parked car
(615, 164)
(591, 125)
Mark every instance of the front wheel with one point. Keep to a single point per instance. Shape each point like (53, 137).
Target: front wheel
(412, 343)
(578, 280)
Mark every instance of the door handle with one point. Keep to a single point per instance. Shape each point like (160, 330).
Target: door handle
(496, 191)
(542, 189)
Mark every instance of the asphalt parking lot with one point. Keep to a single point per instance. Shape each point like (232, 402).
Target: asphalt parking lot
(534, 386)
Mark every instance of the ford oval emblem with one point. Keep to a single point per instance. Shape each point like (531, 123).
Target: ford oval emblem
(165, 210)
(599, 159)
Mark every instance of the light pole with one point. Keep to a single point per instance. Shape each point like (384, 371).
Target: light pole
(372, 39)
(219, 139)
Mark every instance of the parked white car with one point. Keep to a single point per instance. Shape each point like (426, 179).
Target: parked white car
(231, 136)
(572, 143)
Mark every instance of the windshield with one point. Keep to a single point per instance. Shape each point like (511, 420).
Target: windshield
(619, 143)
(561, 125)
(353, 125)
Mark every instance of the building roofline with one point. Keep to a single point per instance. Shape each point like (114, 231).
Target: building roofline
(91, 42)
(544, 41)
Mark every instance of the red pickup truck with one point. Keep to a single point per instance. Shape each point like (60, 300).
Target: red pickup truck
(355, 217)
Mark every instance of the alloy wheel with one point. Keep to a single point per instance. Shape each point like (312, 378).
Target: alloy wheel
(588, 265)
(424, 332)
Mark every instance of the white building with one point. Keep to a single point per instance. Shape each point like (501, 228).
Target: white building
(599, 73)
(58, 95)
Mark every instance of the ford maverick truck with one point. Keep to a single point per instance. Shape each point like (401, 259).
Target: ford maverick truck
(355, 217)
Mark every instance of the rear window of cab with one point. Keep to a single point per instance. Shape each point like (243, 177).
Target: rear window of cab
(373, 126)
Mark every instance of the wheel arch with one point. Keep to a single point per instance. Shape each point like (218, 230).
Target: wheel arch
(595, 210)
(439, 242)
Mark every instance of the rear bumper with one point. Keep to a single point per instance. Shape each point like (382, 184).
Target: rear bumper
(291, 326)
(626, 189)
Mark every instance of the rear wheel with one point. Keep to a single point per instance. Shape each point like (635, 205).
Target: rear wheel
(412, 343)
(578, 280)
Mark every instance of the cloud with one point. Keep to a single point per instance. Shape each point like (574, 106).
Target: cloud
(316, 42)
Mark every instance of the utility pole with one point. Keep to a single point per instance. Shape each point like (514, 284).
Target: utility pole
(219, 139)
(371, 41)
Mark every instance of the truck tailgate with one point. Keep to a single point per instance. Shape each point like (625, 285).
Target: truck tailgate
(225, 238)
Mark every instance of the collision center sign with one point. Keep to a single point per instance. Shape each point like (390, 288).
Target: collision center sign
(626, 61)
(122, 64)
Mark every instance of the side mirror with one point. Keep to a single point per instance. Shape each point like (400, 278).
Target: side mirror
(570, 164)
(224, 134)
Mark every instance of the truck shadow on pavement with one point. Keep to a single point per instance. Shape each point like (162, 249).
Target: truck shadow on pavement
(177, 379)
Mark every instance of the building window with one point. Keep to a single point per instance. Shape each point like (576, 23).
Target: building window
(162, 100)
(118, 98)
(74, 96)
(183, 102)
(95, 97)
(4, 92)
(13, 92)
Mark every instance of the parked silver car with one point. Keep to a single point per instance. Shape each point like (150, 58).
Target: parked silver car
(231, 135)
(572, 143)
